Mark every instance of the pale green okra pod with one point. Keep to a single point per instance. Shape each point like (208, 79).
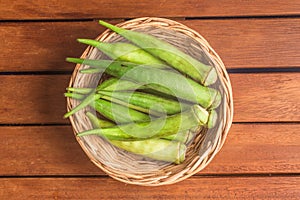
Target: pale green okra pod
(158, 149)
(184, 63)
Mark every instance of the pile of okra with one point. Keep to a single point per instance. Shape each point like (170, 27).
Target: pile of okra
(155, 99)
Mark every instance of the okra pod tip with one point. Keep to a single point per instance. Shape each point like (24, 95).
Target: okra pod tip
(90, 42)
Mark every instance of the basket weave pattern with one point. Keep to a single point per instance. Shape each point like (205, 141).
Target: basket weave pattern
(134, 169)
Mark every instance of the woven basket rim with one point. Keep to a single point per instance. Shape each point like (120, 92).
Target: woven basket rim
(225, 81)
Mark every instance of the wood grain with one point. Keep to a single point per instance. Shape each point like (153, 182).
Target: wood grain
(20, 10)
(266, 97)
(53, 150)
(33, 99)
(43, 46)
(241, 43)
(257, 98)
(193, 188)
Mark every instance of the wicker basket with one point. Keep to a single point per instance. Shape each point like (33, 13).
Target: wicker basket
(134, 169)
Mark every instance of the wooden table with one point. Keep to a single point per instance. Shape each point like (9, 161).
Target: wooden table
(259, 42)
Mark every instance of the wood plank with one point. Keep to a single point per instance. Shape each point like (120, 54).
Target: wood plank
(37, 99)
(50, 150)
(266, 97)
(43, 46)
(67, 9)
(253, 43)
(193, 188)
(241, 43)
(257, 98)
(259, 148)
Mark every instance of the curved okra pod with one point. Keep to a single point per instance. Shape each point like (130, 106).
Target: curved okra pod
(184, 63)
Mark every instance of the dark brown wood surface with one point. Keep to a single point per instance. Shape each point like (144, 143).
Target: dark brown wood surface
(259, 42)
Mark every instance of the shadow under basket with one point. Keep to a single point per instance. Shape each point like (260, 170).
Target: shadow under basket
(135, 169)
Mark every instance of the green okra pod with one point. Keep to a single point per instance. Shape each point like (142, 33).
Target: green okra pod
(184, 136)
(146, 102)
(160, 80)
(157, 128)
(74, 95)
(87, 101)
(118, 113)
(112, 84)
(124, 52)
(205, 74)
(98, 123)
(158, 149)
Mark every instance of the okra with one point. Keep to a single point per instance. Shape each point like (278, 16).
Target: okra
(118, 113)
(160, 80)
(184, 63)
(159, 127)
(158, 149)
(125, 52)
(100, 123)
(146, 102)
